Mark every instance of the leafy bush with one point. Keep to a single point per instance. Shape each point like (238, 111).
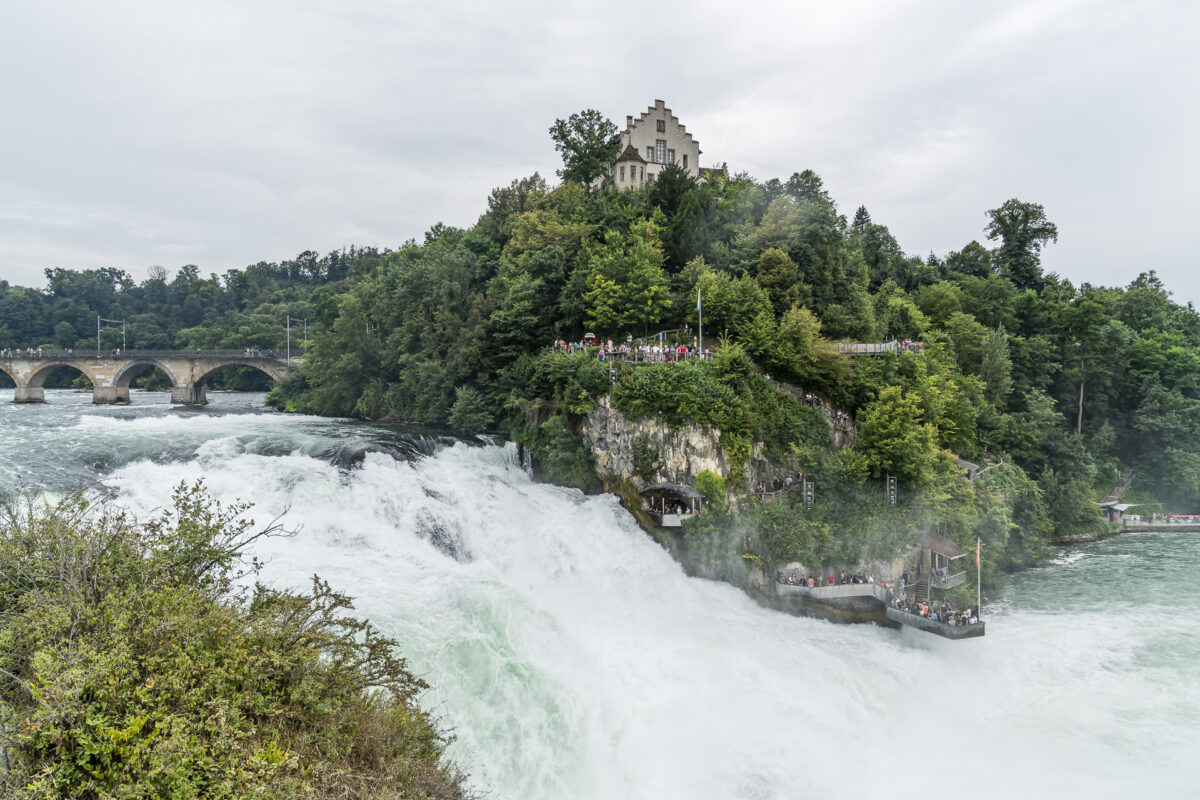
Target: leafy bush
(558, 455)
(130, 667)
(712, 486)
(470, 411)
(645, 459)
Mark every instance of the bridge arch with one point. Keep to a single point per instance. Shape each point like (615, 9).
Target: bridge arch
(269, 367)
(37, 380)
(4, 368)
(136, 365)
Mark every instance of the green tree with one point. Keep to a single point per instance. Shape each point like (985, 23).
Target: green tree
(588, 142)
(895, 438)
(995, 367)
(1023, 230)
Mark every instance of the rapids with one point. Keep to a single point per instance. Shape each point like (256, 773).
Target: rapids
(572, 658)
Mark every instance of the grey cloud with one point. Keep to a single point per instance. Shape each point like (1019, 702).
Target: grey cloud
(224, 133)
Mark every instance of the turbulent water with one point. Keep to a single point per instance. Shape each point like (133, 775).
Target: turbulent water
(574, 659)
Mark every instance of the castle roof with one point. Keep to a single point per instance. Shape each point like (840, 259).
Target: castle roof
(630, 153)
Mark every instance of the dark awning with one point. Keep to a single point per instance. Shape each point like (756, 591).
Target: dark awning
(674, 488)
(940, 544)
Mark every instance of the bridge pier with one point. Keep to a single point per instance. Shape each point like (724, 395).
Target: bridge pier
(109, 395)
(193, 395)
(29, 394)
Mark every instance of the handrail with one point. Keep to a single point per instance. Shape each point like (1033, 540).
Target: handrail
(128, 354)
(948, 582)
(873, 348)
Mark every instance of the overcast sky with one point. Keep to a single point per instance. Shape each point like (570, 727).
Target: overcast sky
(225, 133)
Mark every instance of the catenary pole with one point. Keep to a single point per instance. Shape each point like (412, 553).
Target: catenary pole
(289, 339)
(978, 582)
(700, 311)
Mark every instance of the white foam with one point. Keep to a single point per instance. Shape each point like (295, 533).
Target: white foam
(574, 659)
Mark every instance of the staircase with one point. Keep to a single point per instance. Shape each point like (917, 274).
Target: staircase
(1118, 491)
(921, 589)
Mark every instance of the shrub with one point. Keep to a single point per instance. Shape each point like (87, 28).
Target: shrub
(130, 667)
(470, 411)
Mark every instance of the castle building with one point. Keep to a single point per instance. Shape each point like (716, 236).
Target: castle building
(649, 143)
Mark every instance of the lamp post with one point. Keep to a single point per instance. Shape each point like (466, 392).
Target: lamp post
(100, 319)
(1079, 420)
(290, 320)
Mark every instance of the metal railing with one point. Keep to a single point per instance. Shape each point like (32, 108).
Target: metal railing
(949, 581)
(132, 354)
(873, 348)
(654, 358)
(835, 590)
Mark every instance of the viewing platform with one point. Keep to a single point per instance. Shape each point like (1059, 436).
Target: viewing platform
(669, 504)
(934, 626)
(835, 591)
(859, 598)
(874, 348)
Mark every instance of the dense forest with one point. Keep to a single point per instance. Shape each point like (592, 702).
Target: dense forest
(1061, 386)
(242, 308)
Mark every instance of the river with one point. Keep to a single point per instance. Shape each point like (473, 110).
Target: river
(573, 658)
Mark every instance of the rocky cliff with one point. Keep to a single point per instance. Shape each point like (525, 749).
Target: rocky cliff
(648, 450)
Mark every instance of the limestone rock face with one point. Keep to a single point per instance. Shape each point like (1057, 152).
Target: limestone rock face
(681, 453)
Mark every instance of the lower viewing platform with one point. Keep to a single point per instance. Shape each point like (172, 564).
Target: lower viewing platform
(864, 600)
(943, 629)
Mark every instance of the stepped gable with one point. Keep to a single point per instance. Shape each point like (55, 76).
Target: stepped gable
(645, 116)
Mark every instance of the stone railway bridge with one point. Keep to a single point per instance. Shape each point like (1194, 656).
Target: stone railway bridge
(111, 374)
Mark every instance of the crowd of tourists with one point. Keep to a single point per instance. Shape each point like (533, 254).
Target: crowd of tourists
(37, 352)
(16, 352)
(936, 612)
(663, 505)
(816, 581)
(907, 345)
(252, 352)
(653, 352)
(779, 486)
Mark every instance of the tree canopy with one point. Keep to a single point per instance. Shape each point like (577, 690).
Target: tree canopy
(588, 143)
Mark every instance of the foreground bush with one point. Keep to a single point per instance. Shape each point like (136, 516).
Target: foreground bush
(133, 666)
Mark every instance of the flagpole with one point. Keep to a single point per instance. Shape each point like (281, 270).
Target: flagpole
(978, 583)
(700, 312)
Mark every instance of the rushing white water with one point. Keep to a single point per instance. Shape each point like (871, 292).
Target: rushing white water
(574, 659)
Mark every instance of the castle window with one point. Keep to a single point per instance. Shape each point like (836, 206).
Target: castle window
(685, 160)
(661, 125)
(649, 153)
(671, 156)
(643, 173)
(660, 151)
(622, 174)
